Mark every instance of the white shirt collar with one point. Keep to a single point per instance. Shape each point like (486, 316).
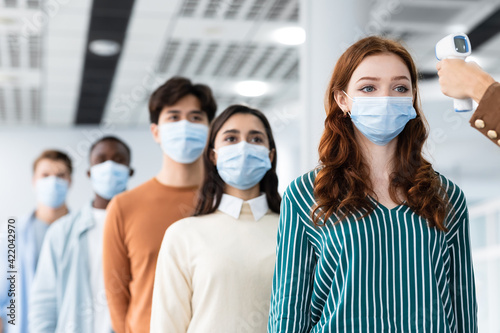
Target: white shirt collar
(232, 206)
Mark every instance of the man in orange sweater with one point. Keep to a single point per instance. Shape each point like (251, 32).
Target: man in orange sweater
(180, 113)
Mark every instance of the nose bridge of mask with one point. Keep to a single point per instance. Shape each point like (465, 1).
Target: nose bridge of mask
(109, 168)
(241, 148)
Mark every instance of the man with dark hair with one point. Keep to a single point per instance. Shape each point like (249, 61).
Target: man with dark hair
(180, 113)
(51, 180)
(68, 289)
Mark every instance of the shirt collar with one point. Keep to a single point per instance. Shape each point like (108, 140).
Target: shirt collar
(232, 206)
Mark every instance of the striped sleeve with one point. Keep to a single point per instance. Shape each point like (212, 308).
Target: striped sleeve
(462, 285)
(290, 309)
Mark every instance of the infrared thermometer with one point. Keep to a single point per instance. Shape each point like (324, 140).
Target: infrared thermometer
(455, 46)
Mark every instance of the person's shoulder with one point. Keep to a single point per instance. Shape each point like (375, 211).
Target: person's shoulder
(303, 183)
(132, 195)
(301, 189)
(189, 224)
(453, 191)
(61, 231)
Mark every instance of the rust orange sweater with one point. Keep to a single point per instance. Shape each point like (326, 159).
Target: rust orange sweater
(133, 232)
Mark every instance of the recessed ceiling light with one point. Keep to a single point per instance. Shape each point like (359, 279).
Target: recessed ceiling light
(252, 88)
(290, 35)
(104, 47)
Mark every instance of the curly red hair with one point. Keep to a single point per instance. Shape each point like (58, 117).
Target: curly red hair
(342, 183)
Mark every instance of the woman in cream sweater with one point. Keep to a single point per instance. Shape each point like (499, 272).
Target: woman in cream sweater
(215, 269)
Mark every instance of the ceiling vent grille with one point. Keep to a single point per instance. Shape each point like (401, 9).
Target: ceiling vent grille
(168, 56)
(14, 50)
(255, 10)
(188, 8)
(207, 57)
(35, 105)
(225, 59)
(277, 10)
(17, 104)
(34, 49)
(10, 3)
(33, 4)
(234, 9)
(240, 63)
(188, 56)
(264, 58)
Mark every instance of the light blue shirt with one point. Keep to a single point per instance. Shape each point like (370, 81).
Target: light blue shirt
(61, 296)
(29, 236)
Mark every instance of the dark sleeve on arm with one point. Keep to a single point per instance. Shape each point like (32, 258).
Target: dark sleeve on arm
(486, 119)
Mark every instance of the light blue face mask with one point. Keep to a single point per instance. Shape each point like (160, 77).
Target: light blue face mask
(183, 141)
(243, 165)
(381, 119)
(51, 191)
(109, 178)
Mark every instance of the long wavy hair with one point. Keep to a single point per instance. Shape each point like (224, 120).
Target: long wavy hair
(343, 181)
(213, 186)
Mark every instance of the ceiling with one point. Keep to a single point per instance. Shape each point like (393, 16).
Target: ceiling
(46, 77)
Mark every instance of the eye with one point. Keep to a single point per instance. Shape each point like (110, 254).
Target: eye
(367, 89)
(230, 139)
(401, 89)
(173, 117)
(196, 118)
(256, 139)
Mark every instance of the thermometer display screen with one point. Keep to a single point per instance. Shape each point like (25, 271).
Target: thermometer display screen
(460, 45)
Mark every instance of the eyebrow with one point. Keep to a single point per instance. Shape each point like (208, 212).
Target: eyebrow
(394, 78)
(235, 131)
(192, 111)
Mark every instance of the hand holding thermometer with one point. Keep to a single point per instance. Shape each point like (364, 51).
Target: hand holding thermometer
(455, 46)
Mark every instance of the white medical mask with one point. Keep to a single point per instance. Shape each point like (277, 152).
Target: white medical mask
(381, 119)
(51, 191)
(243, 165)
(109, 178)
(183, 141)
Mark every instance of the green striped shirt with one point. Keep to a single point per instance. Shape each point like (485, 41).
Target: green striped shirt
(388, 272)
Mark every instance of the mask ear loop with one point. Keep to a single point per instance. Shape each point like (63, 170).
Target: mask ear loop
(348, 112)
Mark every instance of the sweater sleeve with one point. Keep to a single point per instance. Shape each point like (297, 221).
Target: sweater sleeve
(171, 310)
(462, 285)
(116, 267)
(290, 309)
(486, 118)
(43, 300)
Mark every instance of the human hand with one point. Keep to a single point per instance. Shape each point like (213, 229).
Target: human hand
(460, 79)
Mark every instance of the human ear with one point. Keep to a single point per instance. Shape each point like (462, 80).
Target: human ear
(155, 132)
(212, 157)
(272, 153)
(341, 99)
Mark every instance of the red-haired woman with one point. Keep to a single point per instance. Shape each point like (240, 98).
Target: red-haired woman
(373, 240)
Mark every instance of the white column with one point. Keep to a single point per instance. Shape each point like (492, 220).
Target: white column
(331, 26)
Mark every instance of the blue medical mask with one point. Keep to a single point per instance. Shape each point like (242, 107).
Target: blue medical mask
(183, 141)
(109, 178)
(243, 165)
(51, 191)
(381, 119)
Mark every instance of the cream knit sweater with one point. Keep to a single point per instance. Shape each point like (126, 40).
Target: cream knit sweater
(214, 274)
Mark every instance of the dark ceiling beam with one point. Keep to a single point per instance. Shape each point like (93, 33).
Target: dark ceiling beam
(109, 21)
(478, 36)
